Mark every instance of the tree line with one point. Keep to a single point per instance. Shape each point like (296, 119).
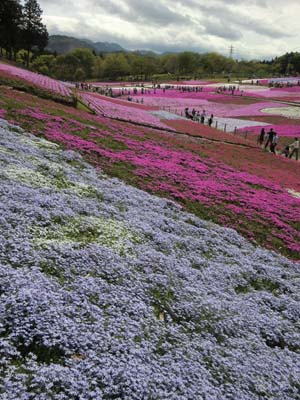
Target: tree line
(21, 28)
(82, 64)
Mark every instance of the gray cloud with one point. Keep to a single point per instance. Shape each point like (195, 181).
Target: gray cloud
(146, 11)
(221, 29)
(255, 26)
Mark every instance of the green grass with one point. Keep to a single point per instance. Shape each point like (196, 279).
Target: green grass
(111, 143)
(50, 269)
(82, 107)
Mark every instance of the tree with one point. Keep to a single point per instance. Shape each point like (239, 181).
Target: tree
(45, 64)
(187, 62)
(10, 22)
(67, 65)
(98, 68)
(22, 57)
(169, 63)
(79, 75)
(143, 66)
(34, 32)
(84, 59)
(115, 66)
(216, 63)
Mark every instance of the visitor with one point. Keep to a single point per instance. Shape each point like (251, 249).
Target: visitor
(261, 136)
(286, 151)
(210, 120)
(196, 116)
(295, 146)
(274, 143)
(187, 114)
(270, 136)
(203, 115)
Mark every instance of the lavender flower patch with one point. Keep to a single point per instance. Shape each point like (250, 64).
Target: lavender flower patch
(108, 292)
(166, 115)
(233, 123)
(289, 112)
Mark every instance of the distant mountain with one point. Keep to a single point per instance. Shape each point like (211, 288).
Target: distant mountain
(104, 47)
(145, 52)
(62, 44)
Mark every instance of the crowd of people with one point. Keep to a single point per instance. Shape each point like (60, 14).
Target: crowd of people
(83, 86)
(283, 84)
(229, 89)
(198, 117)
(270, 140)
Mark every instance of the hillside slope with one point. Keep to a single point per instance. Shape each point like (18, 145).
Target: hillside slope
(234, 185)
(108, 292)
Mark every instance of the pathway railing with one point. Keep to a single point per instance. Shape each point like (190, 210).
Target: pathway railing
(221, 126)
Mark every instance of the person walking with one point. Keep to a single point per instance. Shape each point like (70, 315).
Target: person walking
(261, 136)
(196, 117)
(270, 136)
(286, 151)
(203, 115)
(274, 143)
(295, 146)
(210, 120)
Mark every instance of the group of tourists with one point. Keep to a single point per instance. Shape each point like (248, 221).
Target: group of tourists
(83, 86)
(229, 89)
(282, 84)
(198, 117)
(270, 140)
(190, 89)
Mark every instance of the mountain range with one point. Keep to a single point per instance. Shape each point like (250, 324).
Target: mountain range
(62, 44)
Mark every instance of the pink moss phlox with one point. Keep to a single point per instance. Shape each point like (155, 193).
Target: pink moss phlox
(36, 79)
(103, 106)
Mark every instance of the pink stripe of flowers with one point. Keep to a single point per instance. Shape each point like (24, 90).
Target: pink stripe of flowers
(103, 106)
(36, 79)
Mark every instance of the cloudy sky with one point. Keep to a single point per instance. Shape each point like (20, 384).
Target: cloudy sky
(256, 28)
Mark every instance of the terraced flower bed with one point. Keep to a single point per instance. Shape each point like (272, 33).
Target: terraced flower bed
(36, 79)
(104, 106)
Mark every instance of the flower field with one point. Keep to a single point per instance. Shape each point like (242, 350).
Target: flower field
(232, 112)
(36, 79)
(108, 292)
(103, 106)
(230, 184)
